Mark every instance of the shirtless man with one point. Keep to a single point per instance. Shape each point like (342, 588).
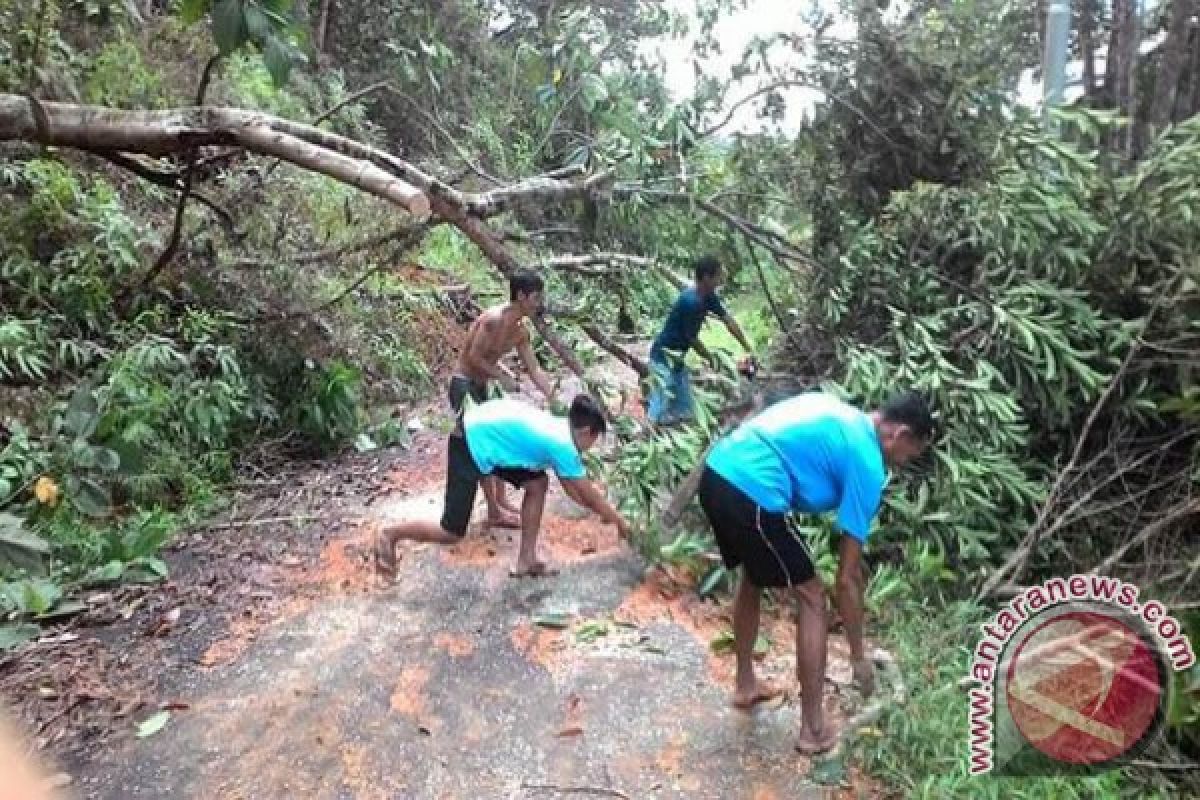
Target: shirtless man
(496, 332)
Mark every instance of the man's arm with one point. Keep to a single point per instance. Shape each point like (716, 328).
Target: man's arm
(850, 588)
(584, 492)
(536, 374)
(477, 356)
(732, 324)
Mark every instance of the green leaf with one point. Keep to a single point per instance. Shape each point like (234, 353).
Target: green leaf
(106, 459)
(82, 414)
(32, 596)
(722, 642)
(20, 548)
(591, 631)
(278, 58)
(90, 498)
(12, 636)
(190, 11)
(761, 645)
(108, 573)
(228, 25)
(153, 724)
(557, 620)
(65, 608)
(829, 772)
(712, 580)
(364, 443)
(592, 91)
(258, 24)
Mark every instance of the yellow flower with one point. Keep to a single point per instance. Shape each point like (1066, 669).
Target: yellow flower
(46, 491)
(557, 77)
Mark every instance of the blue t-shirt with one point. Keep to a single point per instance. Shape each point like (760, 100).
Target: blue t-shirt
(810, 453)
(508, 433)
(684, 322)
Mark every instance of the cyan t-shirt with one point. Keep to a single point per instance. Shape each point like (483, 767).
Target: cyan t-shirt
(810, 453)
(508, 433)
(685, 320)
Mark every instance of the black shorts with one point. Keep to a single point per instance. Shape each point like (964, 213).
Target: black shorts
(761, 541)
(462, 480)
(459, 389)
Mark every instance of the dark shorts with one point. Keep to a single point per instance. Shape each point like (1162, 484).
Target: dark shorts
(462, 480)
(460, 388)
(761, 541)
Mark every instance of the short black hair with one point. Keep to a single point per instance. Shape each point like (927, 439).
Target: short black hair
(524, 282)
(586, 413)
(913, 410)
(706, 267)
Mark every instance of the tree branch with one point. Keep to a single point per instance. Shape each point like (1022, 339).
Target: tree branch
(796, 83)
(1015, 564)
(334, 253)
(620, 353)
(168, 180)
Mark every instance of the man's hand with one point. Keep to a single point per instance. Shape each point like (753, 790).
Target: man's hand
(508, 381)
(624, 529)
(864, 673)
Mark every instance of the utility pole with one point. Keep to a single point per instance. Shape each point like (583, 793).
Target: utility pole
(1054, 62)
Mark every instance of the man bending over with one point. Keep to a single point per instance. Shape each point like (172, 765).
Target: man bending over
(495, 333)
(517, 443)
(810, 453)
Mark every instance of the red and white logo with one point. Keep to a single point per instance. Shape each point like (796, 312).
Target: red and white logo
(1084, 687)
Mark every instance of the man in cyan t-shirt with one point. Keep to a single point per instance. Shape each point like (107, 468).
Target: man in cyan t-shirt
(671, 391)
(516, 443)
(811, 453)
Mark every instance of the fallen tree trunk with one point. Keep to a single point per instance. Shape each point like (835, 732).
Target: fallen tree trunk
(162, 133)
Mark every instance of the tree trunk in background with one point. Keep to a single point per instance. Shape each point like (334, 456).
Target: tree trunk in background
(1170, 67)
(321, 33)
(1087, 46)
(1112, 56)
(1191, 104)
(1131, 38)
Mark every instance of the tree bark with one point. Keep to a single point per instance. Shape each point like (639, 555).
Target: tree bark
(1170, 68)
(1087, 45)
(1127, 70)
(320, 36)
(1112, 56)
(1192, 106)
(180, 130)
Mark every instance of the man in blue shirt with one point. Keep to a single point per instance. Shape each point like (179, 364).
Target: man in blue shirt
(671, 391)
(517, 443)
(811, 453)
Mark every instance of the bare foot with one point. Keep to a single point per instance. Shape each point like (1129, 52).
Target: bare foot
(810, 743)
(504, 519)
(535, 570)
(384, 550)
(746, 699)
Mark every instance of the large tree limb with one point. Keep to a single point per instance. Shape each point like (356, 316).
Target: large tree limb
(594, 263)
(166, 132)
(339, 157)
